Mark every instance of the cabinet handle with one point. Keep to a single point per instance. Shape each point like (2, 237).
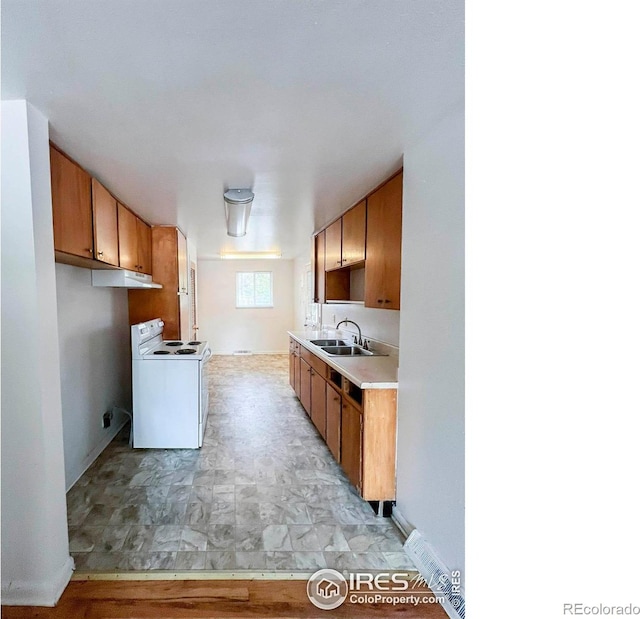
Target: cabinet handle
(387, 301)
(335, 399)
(89, 250)
(100, 253)
(379, 300)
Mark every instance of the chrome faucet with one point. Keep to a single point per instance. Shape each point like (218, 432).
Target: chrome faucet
(359, 339)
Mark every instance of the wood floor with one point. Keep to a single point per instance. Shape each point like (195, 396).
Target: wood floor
(205, 599)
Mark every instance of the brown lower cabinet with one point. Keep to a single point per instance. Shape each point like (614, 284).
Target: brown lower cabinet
(296, 362)
(305, 385)
(359, 426)
(292, 367)
(334, 415)
(319, 402)
(351, 439)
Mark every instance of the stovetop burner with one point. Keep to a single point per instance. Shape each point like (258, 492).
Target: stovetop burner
(186, 351)
(162, 352)
(173, 343)
(194, 343)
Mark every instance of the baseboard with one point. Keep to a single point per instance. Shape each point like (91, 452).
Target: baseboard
(401, 522)
(436, 574)
(96, 451)
(38, 594)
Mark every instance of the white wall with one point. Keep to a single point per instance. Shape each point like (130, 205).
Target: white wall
(36, 565)
(431, 375)
(95, 365)
(228, 329)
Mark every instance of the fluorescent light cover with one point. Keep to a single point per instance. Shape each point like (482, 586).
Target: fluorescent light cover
(250, 255)
(237, 205)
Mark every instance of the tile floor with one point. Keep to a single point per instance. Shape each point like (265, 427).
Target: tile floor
(263, 493)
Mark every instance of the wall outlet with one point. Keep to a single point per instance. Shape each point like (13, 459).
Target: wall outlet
(106, 419)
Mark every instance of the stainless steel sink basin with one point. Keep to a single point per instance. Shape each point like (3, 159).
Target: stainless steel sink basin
(329, 342)
(347, 351)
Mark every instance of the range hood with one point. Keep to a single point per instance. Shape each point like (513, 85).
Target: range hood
(121, 278)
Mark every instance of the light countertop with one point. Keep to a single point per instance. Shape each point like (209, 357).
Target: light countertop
(363, 371)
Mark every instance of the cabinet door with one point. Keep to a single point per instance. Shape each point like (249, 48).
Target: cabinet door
(71, 201)
(105, 224)
(334, 415)
(333, 246)
(319, 258)
(183, 268)
(297, 378)
(354, 226)
(305, 385)
(292, 370)
(351, 443)
(127, 238)
(319, 403)
(143, 241)
(384, 246)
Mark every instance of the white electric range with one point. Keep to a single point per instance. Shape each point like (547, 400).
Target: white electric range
(170, 390)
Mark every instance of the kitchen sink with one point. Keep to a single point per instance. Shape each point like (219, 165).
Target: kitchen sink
(347, 351)
(329, 342)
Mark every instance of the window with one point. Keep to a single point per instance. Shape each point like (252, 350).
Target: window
(254, 289)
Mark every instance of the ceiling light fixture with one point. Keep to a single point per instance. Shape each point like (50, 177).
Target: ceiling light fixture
(237, 206)
(250, 255)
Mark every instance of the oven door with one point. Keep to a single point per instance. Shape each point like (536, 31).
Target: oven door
(204, 396)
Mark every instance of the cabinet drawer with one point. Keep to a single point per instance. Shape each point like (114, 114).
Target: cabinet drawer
(315, 362)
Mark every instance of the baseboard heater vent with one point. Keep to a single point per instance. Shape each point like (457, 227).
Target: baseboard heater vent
(242, 352)
(436, 576)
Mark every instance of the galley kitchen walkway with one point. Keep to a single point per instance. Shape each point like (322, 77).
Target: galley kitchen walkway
(263, 493)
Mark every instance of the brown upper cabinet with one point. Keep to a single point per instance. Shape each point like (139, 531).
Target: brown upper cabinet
(135, 241)
(128, 238)
(143, 234)
(345, 238)
(90, 227)
(354, 228)
(318, 258)
(362, 251)
(168, 303)
(105, 224)
(333, 246)
(71, 200)
(384, 246)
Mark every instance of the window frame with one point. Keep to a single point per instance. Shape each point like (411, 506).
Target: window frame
(254, 273)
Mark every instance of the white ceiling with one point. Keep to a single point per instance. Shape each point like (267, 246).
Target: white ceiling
(169, 102)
